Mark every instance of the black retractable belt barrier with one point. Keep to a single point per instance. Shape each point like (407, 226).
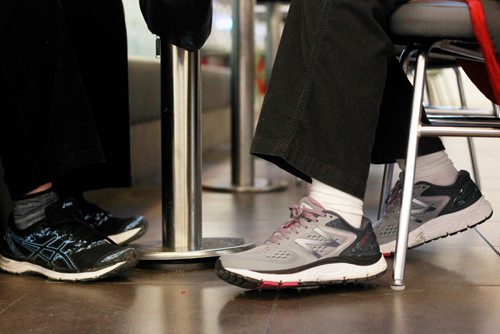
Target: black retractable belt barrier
(187, 25)
(183, 23)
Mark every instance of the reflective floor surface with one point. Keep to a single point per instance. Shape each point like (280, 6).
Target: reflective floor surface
(453, 284)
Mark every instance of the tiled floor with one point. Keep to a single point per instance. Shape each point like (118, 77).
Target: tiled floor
(453, 284)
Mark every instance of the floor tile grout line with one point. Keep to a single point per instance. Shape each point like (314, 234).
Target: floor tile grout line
(486, 286)
(486, 240)
(272, 313)
(11, 304)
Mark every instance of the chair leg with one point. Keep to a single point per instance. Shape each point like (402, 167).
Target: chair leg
(386, 189)
(496, 109)
(411, 158)
(473, 160)
(470, 140)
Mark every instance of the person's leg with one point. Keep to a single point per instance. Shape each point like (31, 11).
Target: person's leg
(46, 129)
(102, 58)
(321, 110)
(106, 86)
(30, 209)
(67, 127)
(318, 122)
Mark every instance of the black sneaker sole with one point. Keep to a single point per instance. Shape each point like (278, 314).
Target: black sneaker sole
(12, 266)
(252, 284)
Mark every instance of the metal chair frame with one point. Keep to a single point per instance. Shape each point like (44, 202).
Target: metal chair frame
(464, 123)
(446, 115)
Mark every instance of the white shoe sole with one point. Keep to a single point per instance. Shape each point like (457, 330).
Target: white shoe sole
(321, 275)
(22, 267)
(124, 237)
(446, 225)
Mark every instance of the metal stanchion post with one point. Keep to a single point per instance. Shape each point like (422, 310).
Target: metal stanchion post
(274, 19)
(181, 164)
(243, 105)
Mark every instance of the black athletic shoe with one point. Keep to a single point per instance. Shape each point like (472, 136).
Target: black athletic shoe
(120, 230)
(62, 247)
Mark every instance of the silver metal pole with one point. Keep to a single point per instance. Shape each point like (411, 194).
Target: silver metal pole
(405, 59)
(274, 19)
(243, 107)
(473, 160)
(243, 92)
(470, 140)
(496, 110)
(386, 189)
(181, 165)
(448, 131)
(411, 158)
(436, 111)
(181, 174)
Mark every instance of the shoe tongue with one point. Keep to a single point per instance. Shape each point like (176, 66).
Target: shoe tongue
(304, 203)
(310, 203)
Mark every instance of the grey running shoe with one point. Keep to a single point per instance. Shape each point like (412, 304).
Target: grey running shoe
(316, 247)
(436, 212)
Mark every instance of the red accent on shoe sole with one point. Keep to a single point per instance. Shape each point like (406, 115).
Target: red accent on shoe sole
(274, 285)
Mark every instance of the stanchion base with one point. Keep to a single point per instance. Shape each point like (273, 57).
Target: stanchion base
(398, 287)
(260, 186)
(211, 248)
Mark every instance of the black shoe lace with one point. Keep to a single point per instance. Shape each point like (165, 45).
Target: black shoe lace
(71, 223)
(93, 214)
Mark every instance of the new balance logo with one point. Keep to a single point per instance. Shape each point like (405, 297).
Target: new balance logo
(421, 209)
(309, 244)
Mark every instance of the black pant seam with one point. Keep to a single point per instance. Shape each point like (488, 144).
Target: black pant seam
(299, 111)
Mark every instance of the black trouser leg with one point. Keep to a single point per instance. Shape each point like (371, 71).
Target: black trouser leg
(98, 35)
(391, 136)
(46, 126)
(321, 113)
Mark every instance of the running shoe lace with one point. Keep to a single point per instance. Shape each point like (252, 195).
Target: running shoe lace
(300, 217)
(70, 222)
(94, 214)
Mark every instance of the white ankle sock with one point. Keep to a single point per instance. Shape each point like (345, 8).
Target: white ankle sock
(435, 168)
(346, 205)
